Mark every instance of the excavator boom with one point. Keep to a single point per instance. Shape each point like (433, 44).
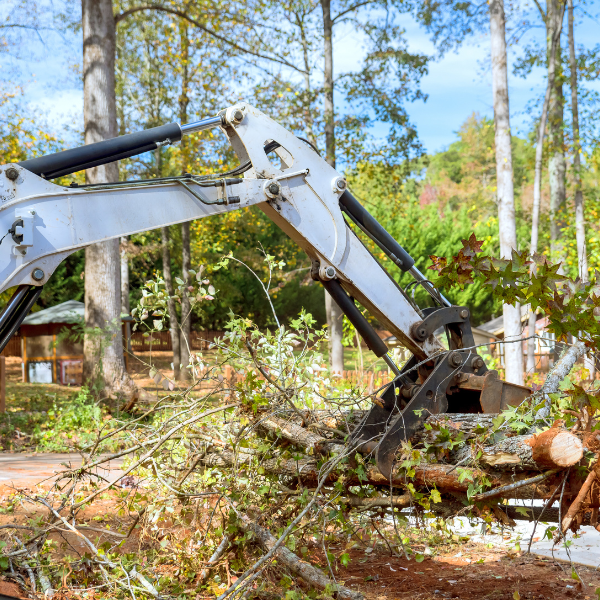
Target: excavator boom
(307, 199)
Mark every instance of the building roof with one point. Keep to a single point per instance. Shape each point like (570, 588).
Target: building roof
(496, 326)
(70, 311)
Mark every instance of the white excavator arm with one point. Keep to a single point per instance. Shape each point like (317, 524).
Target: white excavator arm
(43, 223)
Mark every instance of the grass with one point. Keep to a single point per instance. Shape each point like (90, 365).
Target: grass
(49, 418)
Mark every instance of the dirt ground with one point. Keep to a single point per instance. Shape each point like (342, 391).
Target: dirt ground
(469, 571)
(491, 575)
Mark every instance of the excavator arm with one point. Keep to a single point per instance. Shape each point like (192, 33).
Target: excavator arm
(43, 223)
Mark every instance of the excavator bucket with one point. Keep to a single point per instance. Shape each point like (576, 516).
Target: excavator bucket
(454, 382)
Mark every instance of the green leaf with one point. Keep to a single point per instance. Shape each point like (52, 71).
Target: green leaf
(345, 559)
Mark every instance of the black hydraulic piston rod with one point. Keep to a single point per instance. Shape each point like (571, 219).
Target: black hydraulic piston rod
(125, 146)
(364, 328)
(367, 222)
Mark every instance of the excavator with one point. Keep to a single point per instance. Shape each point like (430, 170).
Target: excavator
(283, 175)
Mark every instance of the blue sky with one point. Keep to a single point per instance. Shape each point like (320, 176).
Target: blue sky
(457, 85)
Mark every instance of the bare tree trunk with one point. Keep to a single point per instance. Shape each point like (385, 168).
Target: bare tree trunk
(125, 307)
(186, 254)
(308, 114)
(334, 312)
(186, 311)
(557, 165)
(537, 196)
(582, 262)
(173, 321)
(102, 261)
(579, 216)
(513, 352)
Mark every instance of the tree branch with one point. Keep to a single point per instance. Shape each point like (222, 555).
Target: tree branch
(182, 15)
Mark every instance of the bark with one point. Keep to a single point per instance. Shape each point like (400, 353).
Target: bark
(556, 163)
(448, 478)
(335, 321)
(559, 371)
(212, 561)
(379, 502)
(186, 311)
(513, 353)
(103, 353)
(582, 261)
(550, 449)
(173, 320)
(312, 442)
(125, 306)
(308, 113)
(312, 575)
(537, 197)
(576, 504)
(333, 311)
(579, 215)
(186, 255)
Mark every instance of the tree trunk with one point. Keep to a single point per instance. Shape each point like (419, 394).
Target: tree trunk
(312, 575)
(173, 321)
(556, 165)
(579, 216)
(446, 477)
(550, 449)
(186, 255)
(537, 195)
(582, 262)
(125, 306)
(333, 311)
(513, 352)
(103, 352)
(186, 311)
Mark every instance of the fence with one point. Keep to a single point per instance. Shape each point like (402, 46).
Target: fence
(13, 348)
(371, 379)
(161, 341)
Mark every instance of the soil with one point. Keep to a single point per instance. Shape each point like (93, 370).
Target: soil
(469, 571)
(489, 575)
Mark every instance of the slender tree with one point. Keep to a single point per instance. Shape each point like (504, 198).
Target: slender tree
(173, 320)
(102, 261)
(125, 307)
(537, 190)
(513, 353)
(582, 262)
(186, 252)
(557, 165)
(334, 312)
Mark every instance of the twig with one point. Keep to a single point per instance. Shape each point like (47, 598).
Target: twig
(216, 555)
(499, 491)
(576, 504)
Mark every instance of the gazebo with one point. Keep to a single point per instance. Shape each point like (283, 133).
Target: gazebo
(52, 344)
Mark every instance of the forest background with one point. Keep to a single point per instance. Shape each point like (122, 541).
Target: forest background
(182, 60)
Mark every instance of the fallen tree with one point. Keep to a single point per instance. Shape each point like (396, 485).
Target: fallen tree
(246, 474)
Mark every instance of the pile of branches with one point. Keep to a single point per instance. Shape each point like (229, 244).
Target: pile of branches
(235, 483)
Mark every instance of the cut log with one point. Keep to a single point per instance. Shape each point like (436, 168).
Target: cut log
(554, 448)
(311, 574)
(380, 502)
(285, 428)
(445, 477)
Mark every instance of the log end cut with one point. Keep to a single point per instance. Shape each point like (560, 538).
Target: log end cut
(557, 448)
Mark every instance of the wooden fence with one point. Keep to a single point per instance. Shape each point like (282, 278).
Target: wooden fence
(161, 341)
(371, 379)
(13, 348)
